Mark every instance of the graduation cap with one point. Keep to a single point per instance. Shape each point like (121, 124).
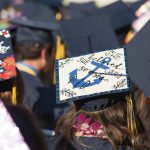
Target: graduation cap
(85, 7)
(52, 3)
(136, 5)
(71, 14)
(95, 82)
(44, 18)
(92, 75)
(35, 28)
(3, 4)
(14, 138)
(139, 60)
(7, 61)
(87, 35)
(30, 35)
(75, 10)
(7, 65)
(120, 14)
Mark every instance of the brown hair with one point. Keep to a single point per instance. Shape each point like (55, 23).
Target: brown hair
(114, 120)
(32, 51)
(6, 90)
(143, 109)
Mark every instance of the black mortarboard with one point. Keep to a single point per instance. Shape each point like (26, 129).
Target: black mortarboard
(75, 10)
(136, 5)
(35, 28)
(3, 4)
(93, 80)
(87, 35)
(71, 14)
(120, 14)
(85, 7)
(28, 35)
(36, 16)
(52, 3)
(138, 50)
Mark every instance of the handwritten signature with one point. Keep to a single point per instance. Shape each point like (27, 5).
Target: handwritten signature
(3, 49)
(63, 63)
(67, 92)
(120, 84)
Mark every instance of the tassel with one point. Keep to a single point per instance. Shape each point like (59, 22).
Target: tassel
(60, 53)
(131, 116)
(14, 93)
(60, 49)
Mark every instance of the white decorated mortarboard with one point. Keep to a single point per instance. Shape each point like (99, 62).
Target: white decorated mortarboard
(91, 75)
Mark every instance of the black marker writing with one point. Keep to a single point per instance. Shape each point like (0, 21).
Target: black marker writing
(67, 92)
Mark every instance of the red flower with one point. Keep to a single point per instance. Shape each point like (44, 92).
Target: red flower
(95, 126)
(80, 118)
(9, 74)
(88, 127)
(1, 75)
(88, 120)
(9, 63)
(9, 68)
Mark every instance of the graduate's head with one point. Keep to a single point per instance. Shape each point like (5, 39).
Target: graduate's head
(35, 39)
(34, 43)
(98, 118)
(99, 85)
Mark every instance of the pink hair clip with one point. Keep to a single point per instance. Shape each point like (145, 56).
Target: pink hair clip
(86, 126)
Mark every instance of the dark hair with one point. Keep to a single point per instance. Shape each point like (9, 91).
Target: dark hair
(32, 50)
(143, 109)
(28, 127)
(114, 120)
(6, 89)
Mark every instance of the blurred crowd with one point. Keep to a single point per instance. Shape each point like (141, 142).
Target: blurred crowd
(40, 32)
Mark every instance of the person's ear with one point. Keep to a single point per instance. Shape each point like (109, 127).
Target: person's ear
(43, 54)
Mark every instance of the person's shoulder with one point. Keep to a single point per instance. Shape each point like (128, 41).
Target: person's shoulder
(84, 143)
(59, 143)
(32, 81)
(32, 87)
(90, 143)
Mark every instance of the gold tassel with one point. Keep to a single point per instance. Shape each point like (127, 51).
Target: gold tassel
(131, 116)
(60, 53)
(60, 49)
(14, 93)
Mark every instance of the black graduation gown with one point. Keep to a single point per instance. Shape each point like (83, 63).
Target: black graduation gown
(88, 143)
(42, 101)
